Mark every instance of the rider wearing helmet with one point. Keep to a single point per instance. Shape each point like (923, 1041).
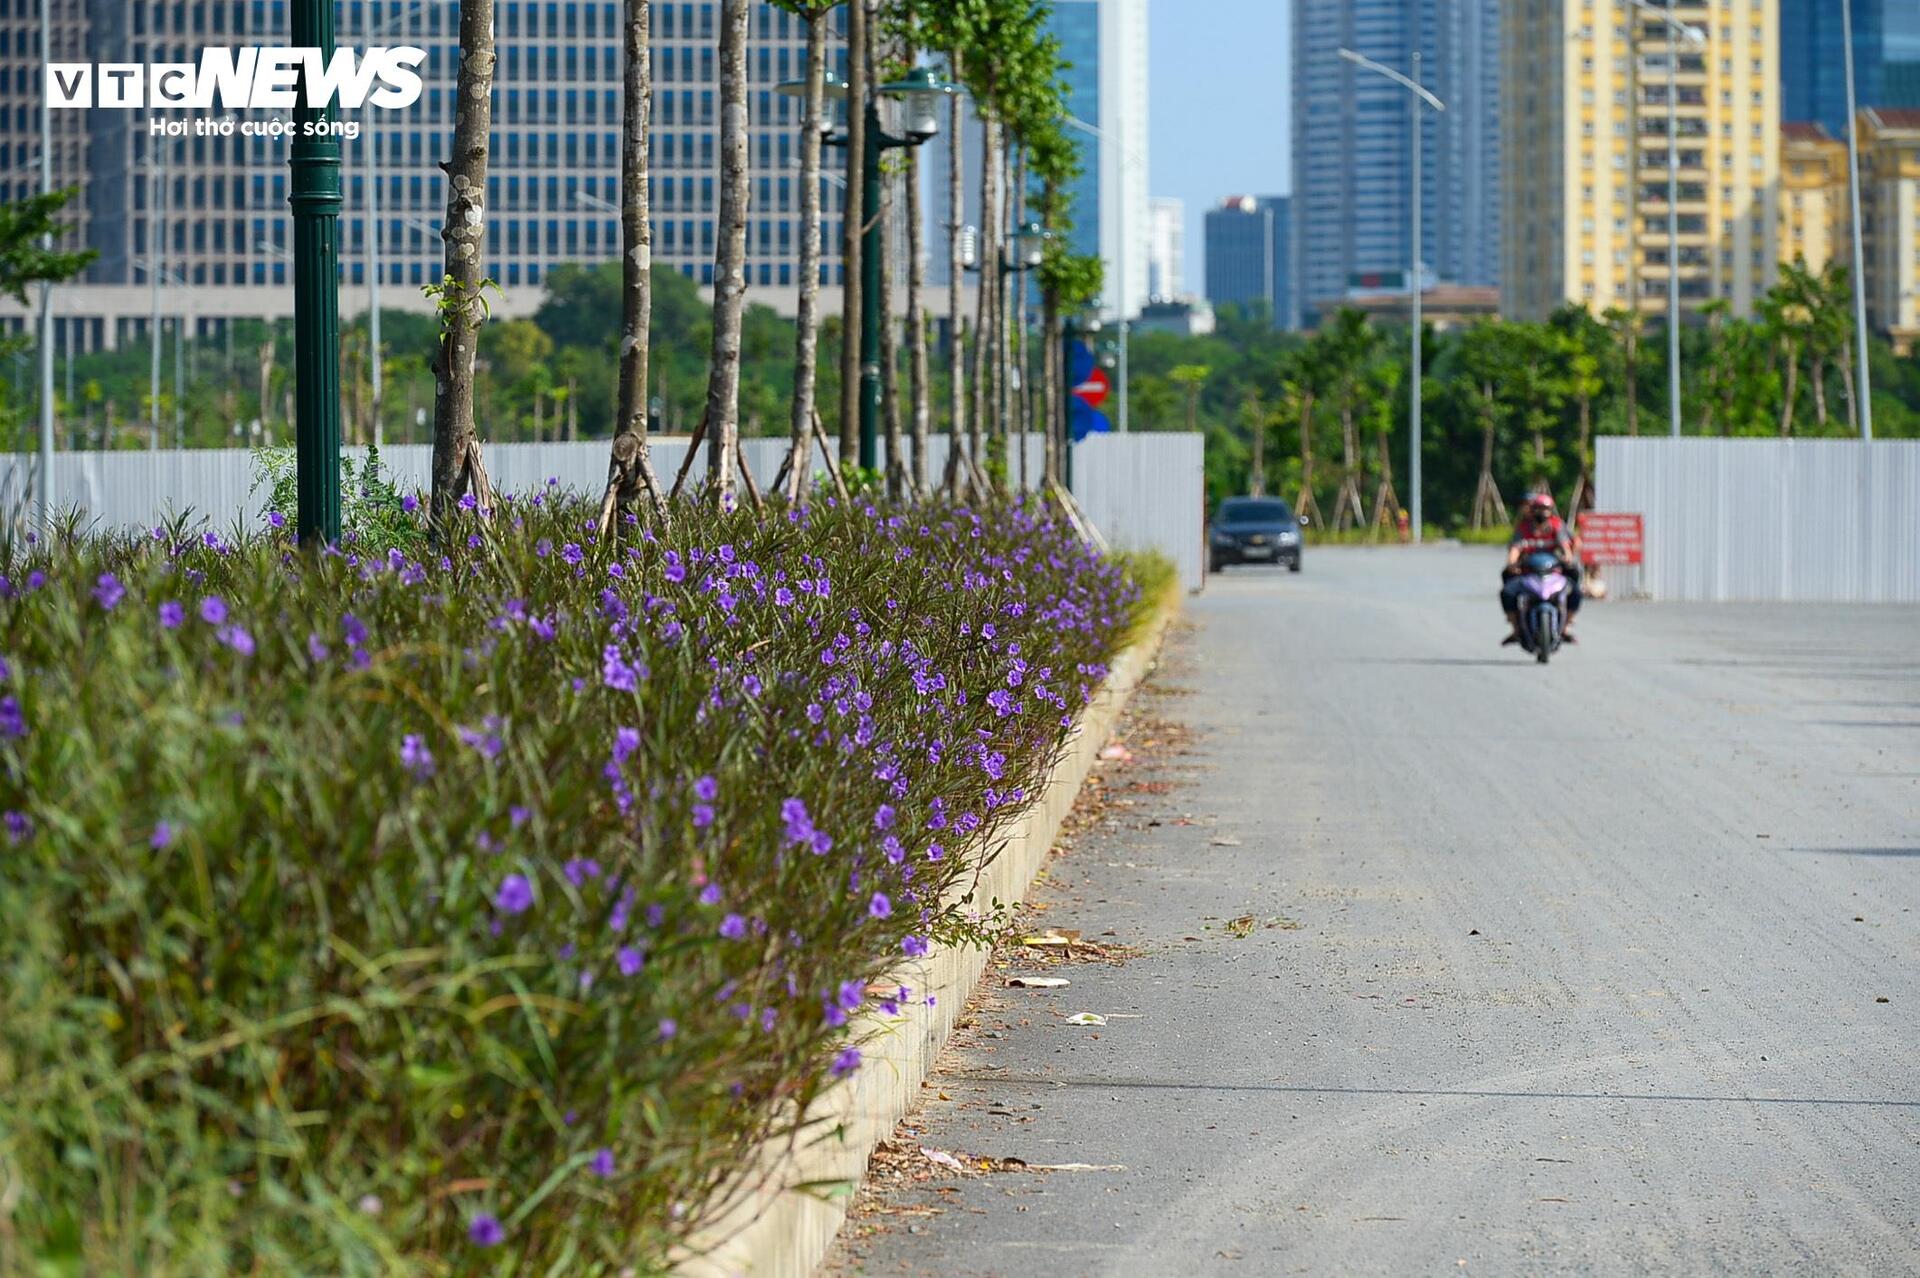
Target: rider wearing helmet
(1539, 530)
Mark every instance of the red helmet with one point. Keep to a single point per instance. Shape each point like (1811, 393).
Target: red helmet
(1541, 501)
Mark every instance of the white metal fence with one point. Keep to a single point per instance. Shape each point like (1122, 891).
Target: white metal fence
(1770, 520)
(1142, 491)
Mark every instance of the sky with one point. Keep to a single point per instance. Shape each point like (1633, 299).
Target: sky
(1217, 78)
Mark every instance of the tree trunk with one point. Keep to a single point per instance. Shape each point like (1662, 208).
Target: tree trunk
(956, 272)
(457, 468)
(852, 221)
(1792, 362)
(917, 369)
(896, 460)
(730, 262)
(806, 346)
(1052, 396)
(1257, 478)
(1846, 385)
(1011, 346)
(986, 355)
(630, 472)
(1633, 381)
(1305, 504)
(1818, 379)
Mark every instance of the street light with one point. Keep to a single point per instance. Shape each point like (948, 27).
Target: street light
(314, 165)
(370, 174)
(919, 93)
(1127, 161)
(1415, 277)
(1695, 39)
(46, 288)
(1865, 394)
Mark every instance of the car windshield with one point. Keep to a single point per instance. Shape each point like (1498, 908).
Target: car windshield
(1255, 512)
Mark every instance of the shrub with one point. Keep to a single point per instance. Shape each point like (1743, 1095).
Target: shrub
(367, 913)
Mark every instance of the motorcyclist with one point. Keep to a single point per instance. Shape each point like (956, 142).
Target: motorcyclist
(1539, 529)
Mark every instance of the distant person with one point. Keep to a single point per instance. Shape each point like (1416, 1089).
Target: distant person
(1539, 530)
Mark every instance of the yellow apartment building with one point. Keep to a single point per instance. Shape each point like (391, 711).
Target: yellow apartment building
(1584, 93)
(1890, 220)
(1815, 222)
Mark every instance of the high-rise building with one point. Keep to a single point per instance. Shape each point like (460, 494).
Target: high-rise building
(1352, 142)
(1815, 221)
(1813, 73)
(217, 207)
(1104, 43)
(1166, 248)
(1247, 255)
(1890, 218)
(1585, 92)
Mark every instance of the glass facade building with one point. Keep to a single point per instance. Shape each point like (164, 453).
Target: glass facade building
(218, 206)
(1352, 152)
(1813, 72)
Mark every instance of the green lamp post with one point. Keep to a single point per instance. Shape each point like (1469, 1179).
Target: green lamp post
(315, 198)
(919, 93)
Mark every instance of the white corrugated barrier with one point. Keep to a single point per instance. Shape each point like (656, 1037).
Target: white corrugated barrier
(1141, 491)
(1787, 520)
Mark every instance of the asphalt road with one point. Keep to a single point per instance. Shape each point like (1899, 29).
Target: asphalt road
(1611, 966)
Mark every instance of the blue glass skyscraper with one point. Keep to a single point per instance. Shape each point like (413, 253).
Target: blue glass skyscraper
(1813, 72)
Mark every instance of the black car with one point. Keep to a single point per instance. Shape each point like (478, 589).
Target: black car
(1254, 530)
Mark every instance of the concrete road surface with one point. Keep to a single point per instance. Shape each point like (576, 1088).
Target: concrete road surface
(1611, 966)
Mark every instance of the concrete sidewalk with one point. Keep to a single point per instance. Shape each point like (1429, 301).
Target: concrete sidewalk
(1610, 966)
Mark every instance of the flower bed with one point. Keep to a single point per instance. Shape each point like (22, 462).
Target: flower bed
(397, 913)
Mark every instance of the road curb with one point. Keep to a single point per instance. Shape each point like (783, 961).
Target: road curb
(775, 1232)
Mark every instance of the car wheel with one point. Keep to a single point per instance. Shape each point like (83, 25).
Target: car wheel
(1213, 565)
(1294, 564)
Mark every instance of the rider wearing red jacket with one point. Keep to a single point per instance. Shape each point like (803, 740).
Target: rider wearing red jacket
(1539, 529)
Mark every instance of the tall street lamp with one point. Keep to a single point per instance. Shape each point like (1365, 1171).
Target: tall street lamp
(1677, 31)
(370, 174)
(1859, 251)
(315, 199)
(46, 286)
(919, 93)
(1025, 250)
(1127, 160)
(1416, 276)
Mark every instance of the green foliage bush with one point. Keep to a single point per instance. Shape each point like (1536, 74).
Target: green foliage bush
(474, 910)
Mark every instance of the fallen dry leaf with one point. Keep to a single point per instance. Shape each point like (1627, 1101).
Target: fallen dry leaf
(1242, 927)
(942, 1158)
(1039, 982)
(1086, 1018)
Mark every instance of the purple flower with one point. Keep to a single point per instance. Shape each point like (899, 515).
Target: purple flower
(277, 519)
(799, 825)
(628, 960)
(213, 610)
(668, 1028)
(914, 947)
(879, 907)
(315, 649)
(468, 501)
(12, 722)
(572, 553)
(409, 503)
(236, 638)
(172, 614)
(675, 570)
(108, 592)
(578, 871)
(852, 994)
(883, 818)
(846, 1061)
(711, 894)
(602, 1164)
(615, 672)
(162, 836)
(354, 631)
(19, 826)
(518, 815)
(486, 1231)
(702, 815)
(515, 895)
(733, 927)
(415, 757)
(706, 789)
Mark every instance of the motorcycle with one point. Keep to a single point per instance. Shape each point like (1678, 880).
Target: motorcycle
(1544, 589)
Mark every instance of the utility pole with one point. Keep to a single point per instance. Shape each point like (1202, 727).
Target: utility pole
(315, 199)
(46, 288)
(1865, 392)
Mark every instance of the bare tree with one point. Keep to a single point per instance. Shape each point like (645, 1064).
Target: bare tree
(730, 261)
(806, 352)
(852, 225)
(917, 372)
(630, 473)
(457, 467)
